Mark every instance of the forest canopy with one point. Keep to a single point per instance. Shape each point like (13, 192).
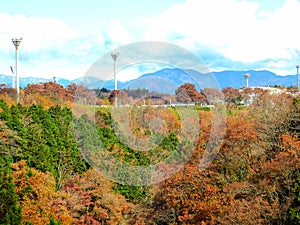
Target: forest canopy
(45, 178)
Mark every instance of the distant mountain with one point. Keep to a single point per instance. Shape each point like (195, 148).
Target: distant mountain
(23, 81)
(170, 79)
(260, 78)
(162, 81)
(167, 80)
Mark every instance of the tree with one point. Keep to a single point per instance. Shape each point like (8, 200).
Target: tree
(212, 95)
(188, 197)
(120, 96)
(10, 210)
(37, 195)
(272, 113)
(46, 139)
(137, 93)
(188, 93)
(294, 209)
(82, 93)
(50, 89)
(8, 94)
(295, 118)
(90, 200)
(232, 96)
(236, 156)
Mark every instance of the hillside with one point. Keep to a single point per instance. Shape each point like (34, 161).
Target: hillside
(63, 163)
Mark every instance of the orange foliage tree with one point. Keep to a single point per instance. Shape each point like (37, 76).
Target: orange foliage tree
(188, 93)
(90, 200)
(37, 194)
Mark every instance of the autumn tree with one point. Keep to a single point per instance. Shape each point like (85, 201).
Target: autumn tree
(235, 159)
(103, 92)
(232, 96)
(47, 94)
(137, 93)
(261, 190)
(37, 193)
(118, 96)
(188, 93)
(188, 197)
(295, 117)
(271, 113)
(8, 94)
(50, 89)
(212, 95)
(91, 200)
(82, 94)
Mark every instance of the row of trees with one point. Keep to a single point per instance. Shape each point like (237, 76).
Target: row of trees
(50, 93)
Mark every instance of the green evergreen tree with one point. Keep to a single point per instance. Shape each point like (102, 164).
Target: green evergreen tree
(46, 138)
(294, 210)
(10, 212)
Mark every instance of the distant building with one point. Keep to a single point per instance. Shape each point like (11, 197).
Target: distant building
(252, 94)
(271, 90)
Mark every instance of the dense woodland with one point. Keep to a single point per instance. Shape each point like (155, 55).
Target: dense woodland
(44, 178)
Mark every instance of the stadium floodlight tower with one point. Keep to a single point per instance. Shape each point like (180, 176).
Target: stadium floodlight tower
(247, 76)
(17, 42)
(13, 77)
(115, 55)
(297, 66)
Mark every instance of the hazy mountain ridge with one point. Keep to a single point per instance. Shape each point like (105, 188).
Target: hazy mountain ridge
(174, 78)
(259, 78)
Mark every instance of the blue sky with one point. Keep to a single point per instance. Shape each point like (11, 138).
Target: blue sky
(63, 38)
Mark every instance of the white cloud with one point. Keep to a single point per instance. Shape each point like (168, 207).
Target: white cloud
(49, 47)
(38, 32)
(237, 29)
(128, 74)
(134, 71)
(117, 34)
(213, 22)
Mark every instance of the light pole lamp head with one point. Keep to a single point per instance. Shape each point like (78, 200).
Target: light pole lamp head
(297, 66)
(247, 75)
(115, 55)
(17, 42)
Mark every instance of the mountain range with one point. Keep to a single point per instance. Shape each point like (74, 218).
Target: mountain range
(167, 80)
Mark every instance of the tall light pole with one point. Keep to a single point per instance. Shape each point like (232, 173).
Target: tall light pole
(297, 66)
(115, 55)
(13, 77)
(17, 42)
(247, 76)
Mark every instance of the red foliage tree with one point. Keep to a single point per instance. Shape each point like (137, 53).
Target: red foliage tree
(91, 200)
(188, 93)
(118, 96)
